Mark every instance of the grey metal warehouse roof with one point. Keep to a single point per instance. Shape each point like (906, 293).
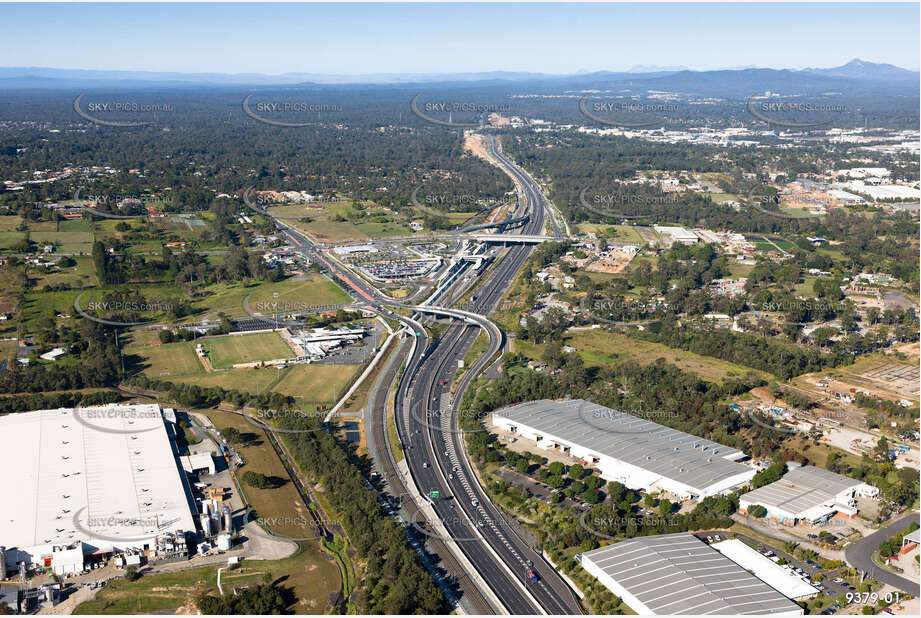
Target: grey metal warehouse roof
(801, 489)
(673, 454)
(680, 574)
(914, 536)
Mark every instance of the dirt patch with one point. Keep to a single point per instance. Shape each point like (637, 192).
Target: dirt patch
(474, 143)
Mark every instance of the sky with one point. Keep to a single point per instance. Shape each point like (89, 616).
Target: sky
(360, 39)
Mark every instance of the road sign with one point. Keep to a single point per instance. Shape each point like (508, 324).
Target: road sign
(434, 494)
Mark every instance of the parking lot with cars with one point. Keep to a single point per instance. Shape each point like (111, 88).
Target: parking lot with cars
(832, 583)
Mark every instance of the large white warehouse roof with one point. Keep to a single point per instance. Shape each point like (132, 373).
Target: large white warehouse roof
(104, 475)
(691, 460)
(801, 489)
(680, 574)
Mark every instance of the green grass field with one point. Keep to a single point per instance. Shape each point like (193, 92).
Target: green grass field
(7, 351)
(65, 242)
(622, 233)
(284, 511)
(9, 223)
(10, 238)
(255, 380)
(738, 271)
(77, 225)
(308, 575)
(323, 226)
(719, 198)
(164, 360)
(80, 276)
(313, 290)
(316, 383)
(599, 347)
(231, 350)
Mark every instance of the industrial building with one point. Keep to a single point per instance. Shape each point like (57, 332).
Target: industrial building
(318, 342)
(677, 234)
(784, 580)
(680, 574)
(628, 449)
(808, 494)
(93, 480)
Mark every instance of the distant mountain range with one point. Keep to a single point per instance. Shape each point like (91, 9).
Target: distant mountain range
(747, 79)
(860, 69)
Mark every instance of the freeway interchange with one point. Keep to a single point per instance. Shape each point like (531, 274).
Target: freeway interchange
(461, 518)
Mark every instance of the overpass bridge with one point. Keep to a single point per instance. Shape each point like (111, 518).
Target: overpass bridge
(526, 239)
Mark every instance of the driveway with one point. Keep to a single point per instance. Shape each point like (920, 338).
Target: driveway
(859, 555)
(756, 524)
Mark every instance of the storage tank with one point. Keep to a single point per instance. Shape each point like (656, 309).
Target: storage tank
(205, 525)
(228, 520)
(223, 541)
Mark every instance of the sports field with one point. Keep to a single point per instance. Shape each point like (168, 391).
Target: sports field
(251, 380)
(230, 350)
(314, 382)
(164, 360)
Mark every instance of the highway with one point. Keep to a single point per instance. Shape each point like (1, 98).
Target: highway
(428, 424)
(428, 428)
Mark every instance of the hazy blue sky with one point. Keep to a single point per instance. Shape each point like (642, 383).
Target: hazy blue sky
(378, 38)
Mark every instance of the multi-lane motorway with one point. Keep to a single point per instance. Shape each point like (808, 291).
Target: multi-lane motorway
(429, 424)
(426, 418)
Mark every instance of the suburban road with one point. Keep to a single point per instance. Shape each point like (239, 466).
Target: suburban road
(859, 553)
